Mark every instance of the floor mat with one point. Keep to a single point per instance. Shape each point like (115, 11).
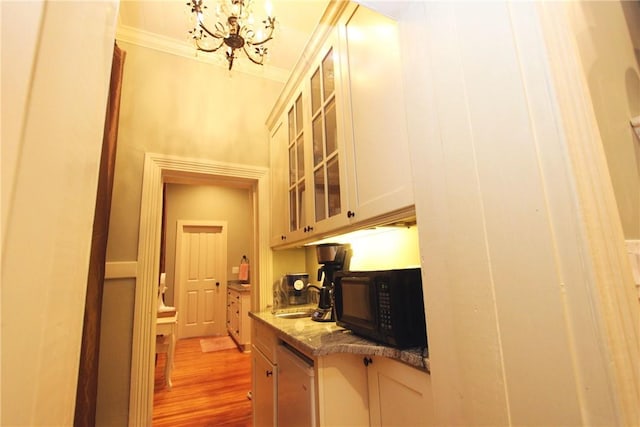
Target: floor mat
(216, 344)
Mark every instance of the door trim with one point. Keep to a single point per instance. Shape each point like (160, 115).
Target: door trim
(158, 169)
(177, 283)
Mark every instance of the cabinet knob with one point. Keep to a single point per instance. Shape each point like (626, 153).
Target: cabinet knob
(218, 284)
(283, 237)
(269, 373)
(308, 229)
(367, 361)
(350, 214)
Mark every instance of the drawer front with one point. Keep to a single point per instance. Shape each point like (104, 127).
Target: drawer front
(264, 339)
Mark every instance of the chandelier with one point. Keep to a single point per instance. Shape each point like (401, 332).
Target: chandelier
(233, 30)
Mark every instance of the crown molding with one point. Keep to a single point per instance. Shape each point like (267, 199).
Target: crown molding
(168, 45)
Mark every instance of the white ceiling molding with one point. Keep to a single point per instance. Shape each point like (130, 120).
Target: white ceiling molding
(160, 43)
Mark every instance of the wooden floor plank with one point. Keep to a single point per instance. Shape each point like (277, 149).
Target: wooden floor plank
(209, 389)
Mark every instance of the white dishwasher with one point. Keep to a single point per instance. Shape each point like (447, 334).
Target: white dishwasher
(296, 388)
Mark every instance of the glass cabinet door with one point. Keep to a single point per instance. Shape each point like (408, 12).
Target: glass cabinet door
(326, 178)
(296, 166)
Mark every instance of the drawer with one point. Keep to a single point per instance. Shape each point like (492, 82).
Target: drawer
(264, 338)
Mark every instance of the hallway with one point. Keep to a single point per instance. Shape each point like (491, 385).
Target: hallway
(208, 388)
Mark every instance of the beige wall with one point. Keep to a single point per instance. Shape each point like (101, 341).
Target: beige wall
(55, 81)
(177, 106)
(606, 34)
(172, 105)
(209, 203)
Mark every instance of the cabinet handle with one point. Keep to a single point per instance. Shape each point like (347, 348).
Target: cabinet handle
(367, 361)
(308, 229)
(350, 214)
(269, 373)
(283, 237)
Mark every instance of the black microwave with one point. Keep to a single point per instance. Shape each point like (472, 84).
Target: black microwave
(385, 306)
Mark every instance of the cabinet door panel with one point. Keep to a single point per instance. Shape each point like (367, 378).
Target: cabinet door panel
(399, 395)
(264, 390)
(329, 183)
(379, 166)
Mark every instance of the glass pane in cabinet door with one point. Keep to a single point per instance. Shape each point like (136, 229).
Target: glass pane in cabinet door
(328, 78)
(293, 210)
(292, 125)
(292, 165)
(333, 186)
(318, 190)
(302, 215)
(331, 127)
(299, 114)
(317, 140)
(300, 154)
(316, 101)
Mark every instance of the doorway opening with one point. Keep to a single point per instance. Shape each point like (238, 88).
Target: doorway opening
(158, 170)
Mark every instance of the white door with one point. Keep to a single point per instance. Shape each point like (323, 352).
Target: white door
(201, 261)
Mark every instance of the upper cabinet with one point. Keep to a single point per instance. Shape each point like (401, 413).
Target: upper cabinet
(378, 165)
(339, 150)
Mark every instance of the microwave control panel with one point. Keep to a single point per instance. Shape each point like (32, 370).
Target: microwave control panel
(384, 306)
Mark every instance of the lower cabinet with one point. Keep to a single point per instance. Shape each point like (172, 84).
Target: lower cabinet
(399, 395)
(238, 322)
(350, 389)
(375, 391)
(264, 383)
(264, 389)
(343, 396)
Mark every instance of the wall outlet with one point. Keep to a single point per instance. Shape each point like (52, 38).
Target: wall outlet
(235, 269)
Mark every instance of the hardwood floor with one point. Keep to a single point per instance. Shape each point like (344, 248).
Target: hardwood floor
(209, 389)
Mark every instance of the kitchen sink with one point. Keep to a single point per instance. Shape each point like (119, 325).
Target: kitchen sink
(293, 315)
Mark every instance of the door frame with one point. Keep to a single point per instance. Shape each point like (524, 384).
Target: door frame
(177, 272)
(160, 169)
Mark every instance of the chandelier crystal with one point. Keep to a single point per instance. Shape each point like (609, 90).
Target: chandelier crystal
(233, 30)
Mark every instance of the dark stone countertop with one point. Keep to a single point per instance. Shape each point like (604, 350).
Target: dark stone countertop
(322, 338)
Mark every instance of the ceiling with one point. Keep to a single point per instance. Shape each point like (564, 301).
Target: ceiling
(164, 24)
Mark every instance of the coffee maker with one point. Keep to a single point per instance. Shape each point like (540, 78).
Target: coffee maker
(332, 257)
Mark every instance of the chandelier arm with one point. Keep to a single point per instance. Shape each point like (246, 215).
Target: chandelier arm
(246, 52)
(271, 27)
(206, 30)
(209, 49)
(261, 42)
